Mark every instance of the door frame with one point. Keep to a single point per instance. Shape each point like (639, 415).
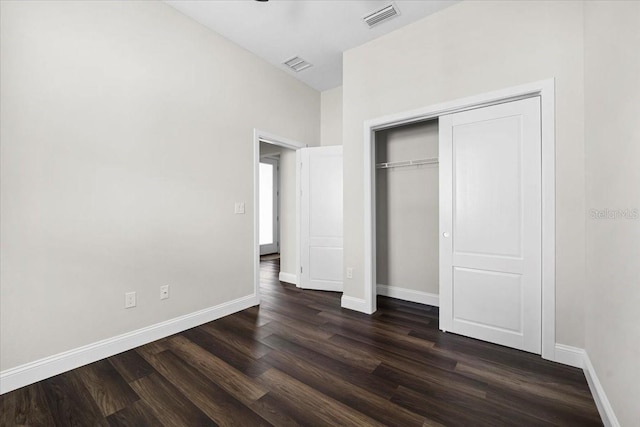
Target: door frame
(269, 138)
(543, 88)
(274, 161)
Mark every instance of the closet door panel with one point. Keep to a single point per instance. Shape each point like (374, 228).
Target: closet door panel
(490, 224)
(487, 208)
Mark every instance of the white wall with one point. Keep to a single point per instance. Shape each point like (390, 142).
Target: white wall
(287, 205)
(407, 243)
(331, 116)
(127, 136)
(471, 48)
(612, 145)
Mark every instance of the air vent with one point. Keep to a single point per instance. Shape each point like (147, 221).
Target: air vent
(374, 18)
(297, 64)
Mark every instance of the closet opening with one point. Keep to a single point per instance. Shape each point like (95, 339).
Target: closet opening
(496, 215)
(407, 212)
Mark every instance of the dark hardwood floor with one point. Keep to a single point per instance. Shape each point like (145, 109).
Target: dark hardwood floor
(299, 359)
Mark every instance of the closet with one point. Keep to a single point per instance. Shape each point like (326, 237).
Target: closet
(407, 212)
(458, 219)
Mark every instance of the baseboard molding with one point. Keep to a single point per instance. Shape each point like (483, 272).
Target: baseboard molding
(567, 355)
(578, 358)
(288, 278)
(356, 304)
(599, 396)
(29, 373)
(409, 295)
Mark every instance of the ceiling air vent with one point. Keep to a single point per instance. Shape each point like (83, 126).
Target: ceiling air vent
(374, 18)
(297, 64)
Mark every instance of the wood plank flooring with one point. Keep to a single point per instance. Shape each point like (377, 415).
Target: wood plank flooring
(299, 359)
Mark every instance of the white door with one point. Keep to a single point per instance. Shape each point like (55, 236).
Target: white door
(490, 224)
(321, 218)
(269, 206)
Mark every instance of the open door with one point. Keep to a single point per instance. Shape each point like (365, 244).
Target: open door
(490, 224)
(321, 218)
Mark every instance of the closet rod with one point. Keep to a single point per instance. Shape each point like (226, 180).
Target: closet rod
(402, 163)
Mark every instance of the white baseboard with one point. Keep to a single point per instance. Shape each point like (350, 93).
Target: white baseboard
(288, 278)
(567, 355)
(355, 304)
(599, 396)
(409, 295)
(578, 357)
(29, 373)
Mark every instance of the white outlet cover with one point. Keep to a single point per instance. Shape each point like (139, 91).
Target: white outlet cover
(129, 300)
(349, 273)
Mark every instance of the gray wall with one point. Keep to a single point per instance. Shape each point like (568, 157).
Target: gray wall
(127, 136)
(467, 49)
(331, 116)
(407, 209)
(612, 146)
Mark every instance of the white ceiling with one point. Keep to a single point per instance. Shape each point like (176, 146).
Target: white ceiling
(315, 30)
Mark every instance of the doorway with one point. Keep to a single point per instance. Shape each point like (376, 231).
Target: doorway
(278, 231)
(545, 91)
(269, 208)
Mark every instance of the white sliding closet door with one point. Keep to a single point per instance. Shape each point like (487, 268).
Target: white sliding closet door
(490, 224)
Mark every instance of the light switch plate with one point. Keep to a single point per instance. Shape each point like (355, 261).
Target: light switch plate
(164, 292)
(239, 207)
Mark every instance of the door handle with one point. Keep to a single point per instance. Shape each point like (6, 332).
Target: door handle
(445, 234)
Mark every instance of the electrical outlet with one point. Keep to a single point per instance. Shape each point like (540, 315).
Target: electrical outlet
(164, 292)
(129, 300)
(349, 273)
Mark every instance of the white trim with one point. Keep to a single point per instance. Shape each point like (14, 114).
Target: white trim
(357, 304)
(288, 278)
(578, 358)
(298, 218)
(599, 396)
(280, 141)
(29, 373)
(370, 282)
(269, 138)
(546, 90)
(409, 295)
(548, 133)
(567, 355)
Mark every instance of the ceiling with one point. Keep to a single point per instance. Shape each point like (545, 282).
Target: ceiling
(315, 30)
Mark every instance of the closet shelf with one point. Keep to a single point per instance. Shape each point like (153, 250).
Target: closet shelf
(402, 163)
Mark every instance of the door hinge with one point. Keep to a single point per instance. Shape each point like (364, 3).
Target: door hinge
(300, 269)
